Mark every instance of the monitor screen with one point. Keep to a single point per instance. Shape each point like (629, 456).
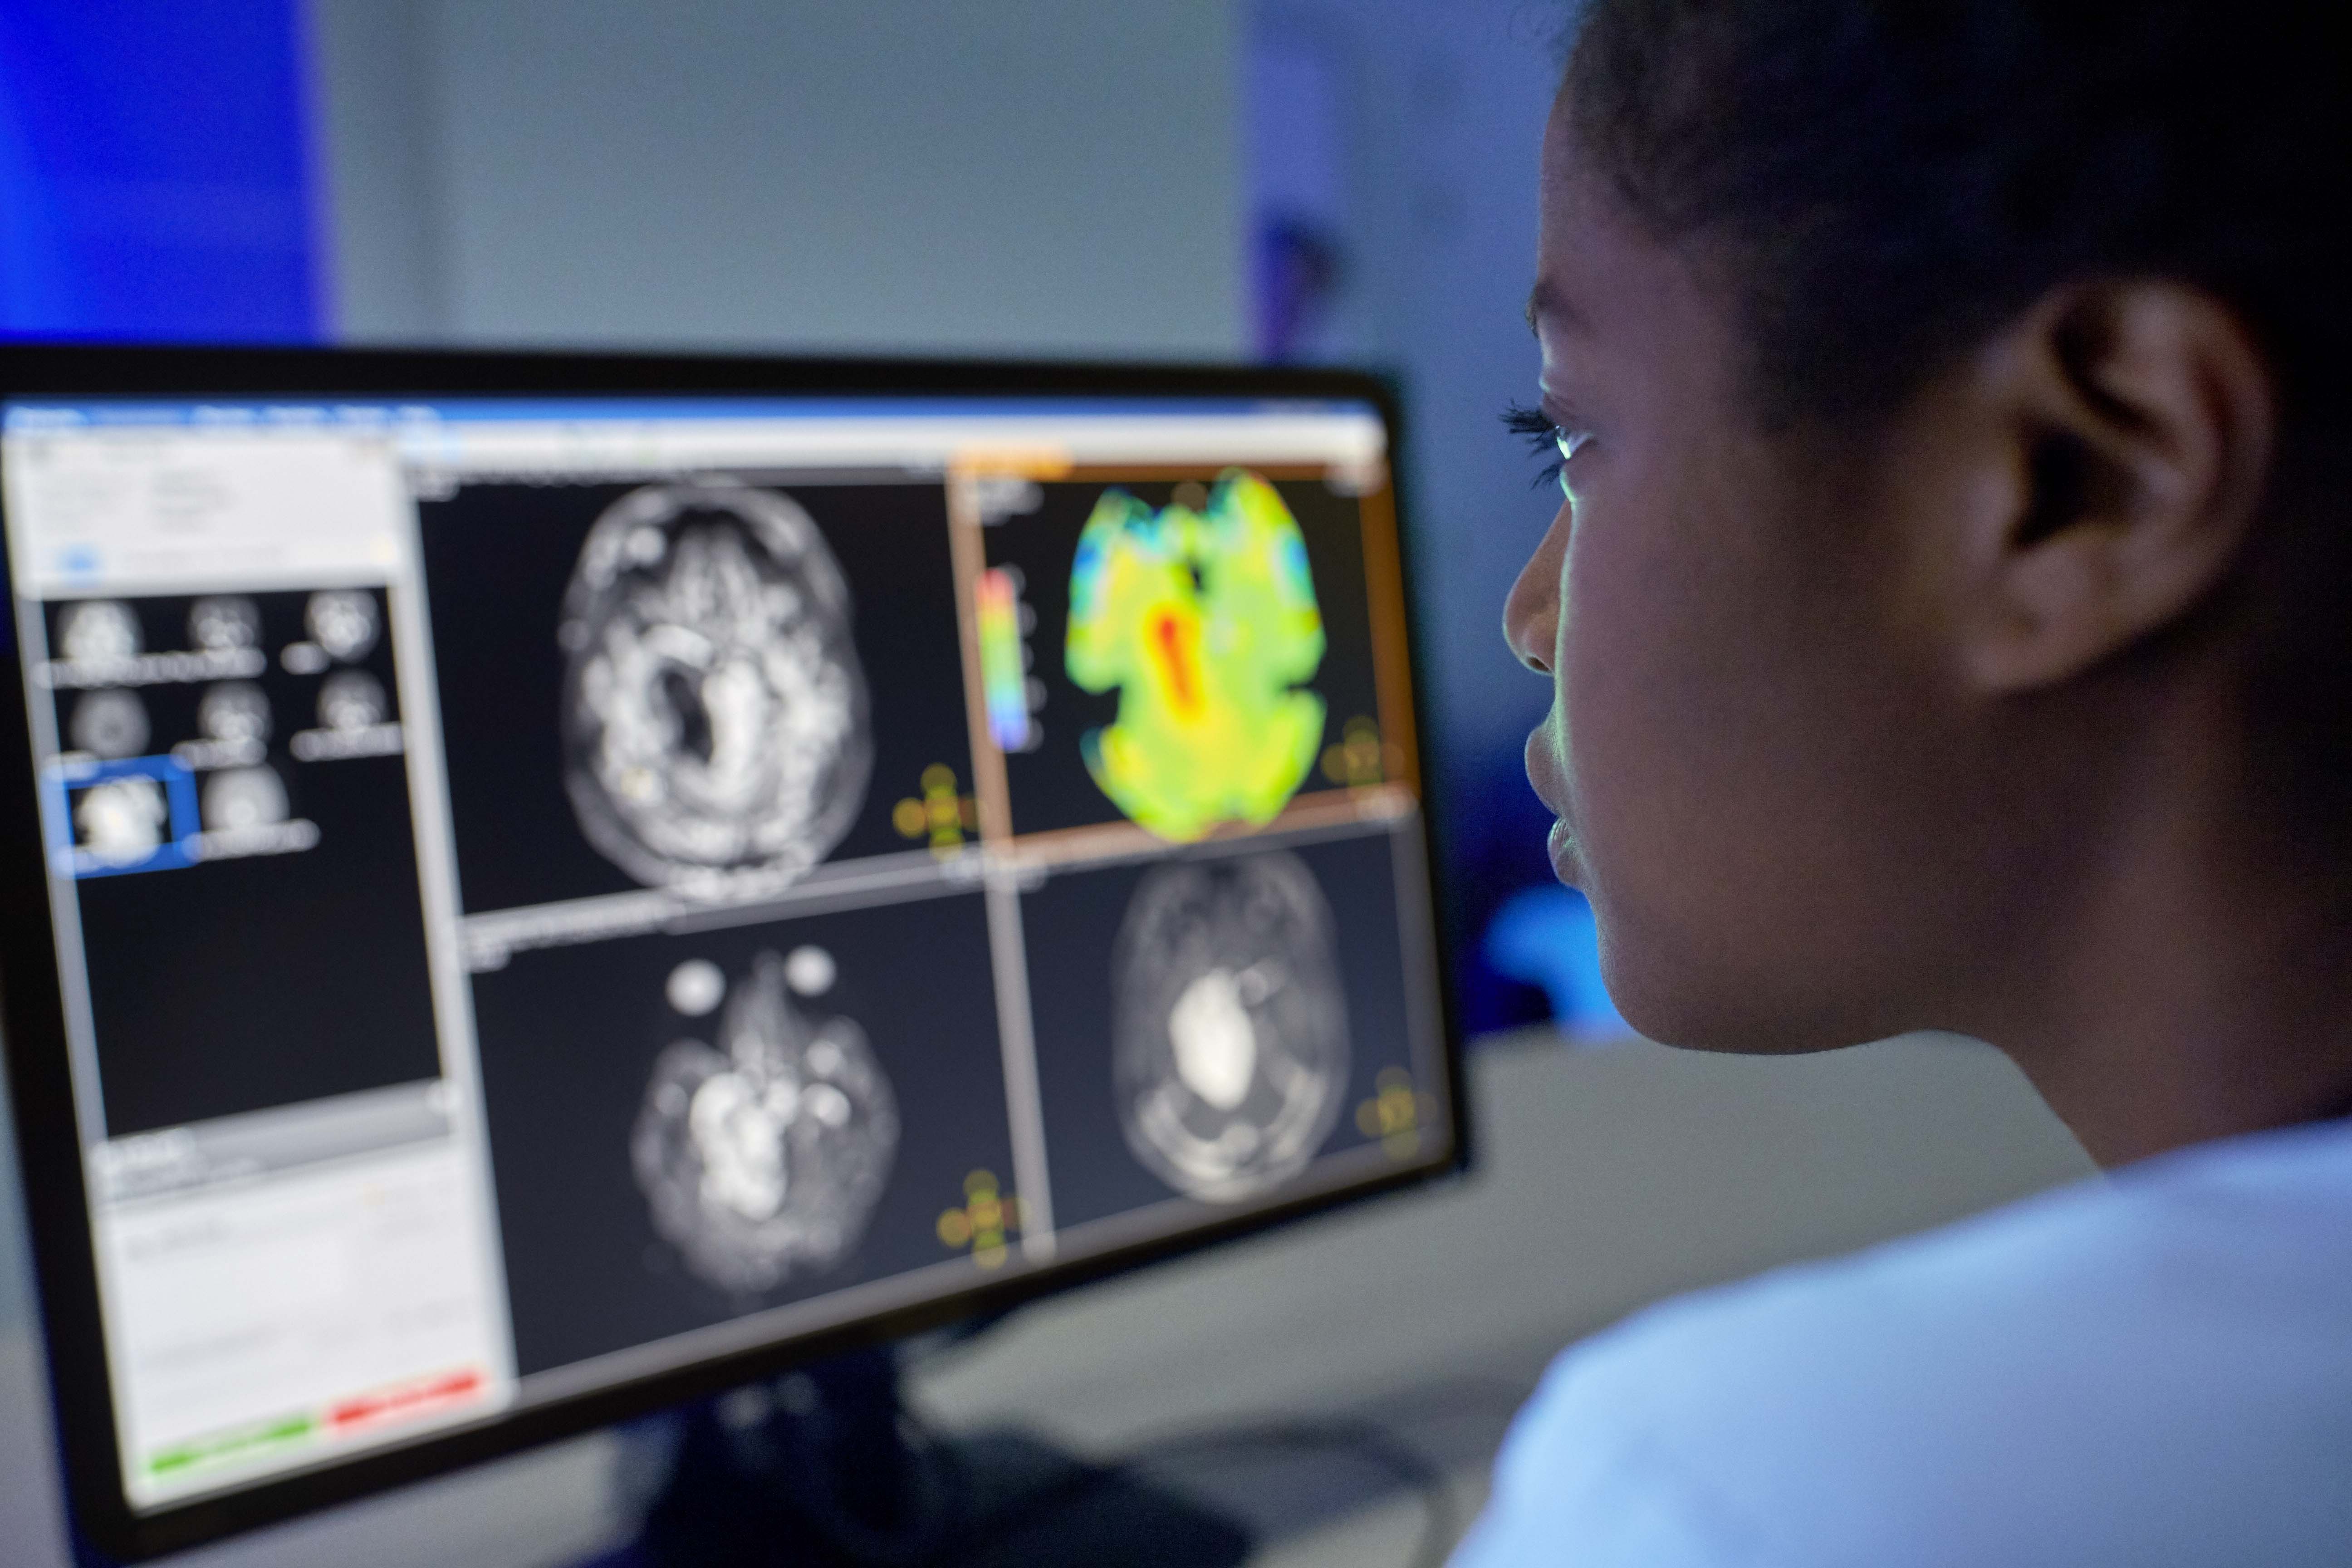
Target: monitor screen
(547, 891)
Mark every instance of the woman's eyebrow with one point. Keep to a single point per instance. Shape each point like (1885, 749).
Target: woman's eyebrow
(1546, 303)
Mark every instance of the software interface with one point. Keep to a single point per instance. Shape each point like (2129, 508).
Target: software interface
(547, 891)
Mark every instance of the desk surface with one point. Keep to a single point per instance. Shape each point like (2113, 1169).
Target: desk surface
(1610, 1177)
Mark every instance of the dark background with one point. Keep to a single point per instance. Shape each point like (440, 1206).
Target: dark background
(497, 558)
(241, 985)
(1070, 926)
(568, 1035)
(1050, 787)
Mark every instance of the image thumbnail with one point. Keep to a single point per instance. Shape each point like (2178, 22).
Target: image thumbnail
(1205, 621)
(1232, 1027)
(764, 1154)
(714, 710)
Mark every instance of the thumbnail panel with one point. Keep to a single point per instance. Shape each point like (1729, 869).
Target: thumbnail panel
(688, 1128)
(1210, 1025)
(232, 800)
(709, 684)
(1197, 651)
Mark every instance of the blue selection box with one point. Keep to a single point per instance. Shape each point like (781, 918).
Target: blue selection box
(111, 818)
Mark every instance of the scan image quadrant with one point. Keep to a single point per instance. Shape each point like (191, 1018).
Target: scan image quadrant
(1230, 1024)
(1205, 620)
(695, 1125)
(715, 713)
(763, 1154)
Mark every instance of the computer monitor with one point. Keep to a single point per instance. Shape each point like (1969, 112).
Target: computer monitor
(541, 887)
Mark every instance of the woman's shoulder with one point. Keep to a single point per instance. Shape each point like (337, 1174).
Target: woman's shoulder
(2119, 1353)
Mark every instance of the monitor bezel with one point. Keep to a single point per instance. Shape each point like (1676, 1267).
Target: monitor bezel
(32, 1021)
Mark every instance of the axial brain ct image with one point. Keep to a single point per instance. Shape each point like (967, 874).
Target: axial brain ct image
(1230, 1032)
(715, 714)
(763, 1156)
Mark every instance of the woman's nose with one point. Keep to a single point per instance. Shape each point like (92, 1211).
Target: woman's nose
(1531, 612)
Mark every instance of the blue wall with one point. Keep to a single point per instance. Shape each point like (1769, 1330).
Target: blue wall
(155, 171)
(1404, 134)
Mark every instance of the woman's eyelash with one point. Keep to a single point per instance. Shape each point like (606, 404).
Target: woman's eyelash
(1544, 439)
(1533, 422)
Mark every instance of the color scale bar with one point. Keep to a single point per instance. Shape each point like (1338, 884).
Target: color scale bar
(1004, 683)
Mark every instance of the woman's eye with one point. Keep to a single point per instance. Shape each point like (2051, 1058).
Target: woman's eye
(1567, 443)
(1547, 440)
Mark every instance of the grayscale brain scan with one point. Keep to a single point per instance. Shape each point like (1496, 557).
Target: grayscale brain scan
(715, 713)
(342, 621)
(238, 798)
(108, 724)
(1231, 1031)
(122, 821)
(234, 712)
(224, 622)
(97, 631)
(763, 1156)
(350, 699)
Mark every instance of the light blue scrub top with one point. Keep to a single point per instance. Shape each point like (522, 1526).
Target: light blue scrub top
(2152, 1369)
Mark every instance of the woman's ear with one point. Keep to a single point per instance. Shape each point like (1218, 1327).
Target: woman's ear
(2136, 421)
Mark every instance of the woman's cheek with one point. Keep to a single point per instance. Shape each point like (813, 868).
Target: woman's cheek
(1621, 665)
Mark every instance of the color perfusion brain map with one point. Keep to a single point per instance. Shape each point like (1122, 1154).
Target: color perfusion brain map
(1205, 620)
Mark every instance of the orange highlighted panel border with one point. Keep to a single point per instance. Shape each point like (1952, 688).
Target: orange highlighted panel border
(1391, 659)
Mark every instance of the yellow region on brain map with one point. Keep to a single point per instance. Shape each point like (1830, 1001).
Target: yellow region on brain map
(1205, 620)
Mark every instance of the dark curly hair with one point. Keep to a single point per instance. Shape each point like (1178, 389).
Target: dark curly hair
(1883, 184)
(1893, 178)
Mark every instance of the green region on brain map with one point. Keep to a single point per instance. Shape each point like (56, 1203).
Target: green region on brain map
(1205, 620)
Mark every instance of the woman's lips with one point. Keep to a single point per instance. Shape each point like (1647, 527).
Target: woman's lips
(1537, 759)
(1561, 846)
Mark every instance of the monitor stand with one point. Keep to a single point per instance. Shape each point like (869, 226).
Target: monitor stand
(821, 1470)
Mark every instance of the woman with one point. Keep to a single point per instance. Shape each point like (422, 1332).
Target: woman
(1951, 626)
